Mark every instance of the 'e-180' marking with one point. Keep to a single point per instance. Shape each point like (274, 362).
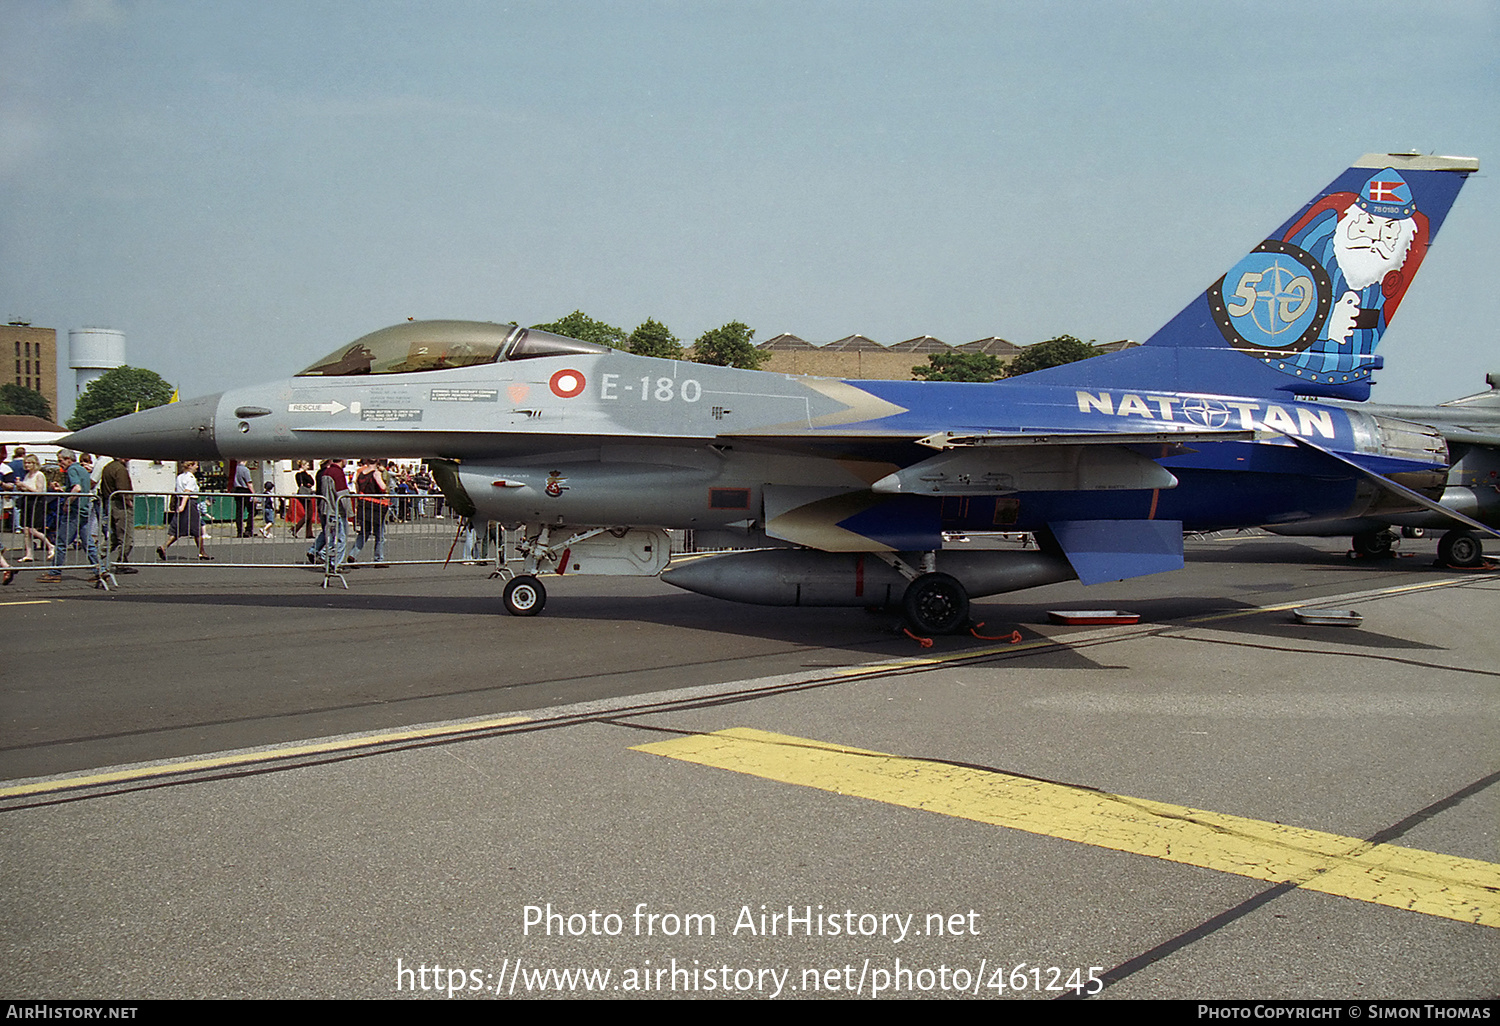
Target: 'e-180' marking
(1211, 413)
(661, 390)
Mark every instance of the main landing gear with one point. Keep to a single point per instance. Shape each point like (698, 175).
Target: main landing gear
(933, 603)
(1461, 548)
(936, 604)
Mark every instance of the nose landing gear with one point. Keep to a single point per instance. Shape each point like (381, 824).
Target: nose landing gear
(524, 596)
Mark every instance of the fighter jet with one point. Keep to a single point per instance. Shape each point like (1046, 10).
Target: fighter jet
(841, 492)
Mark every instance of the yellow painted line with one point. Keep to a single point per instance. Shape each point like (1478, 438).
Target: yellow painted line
(1467, 890)
(132, 773)
(30, 602)
(917, 662)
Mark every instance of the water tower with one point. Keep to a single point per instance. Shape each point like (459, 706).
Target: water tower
(91, 352)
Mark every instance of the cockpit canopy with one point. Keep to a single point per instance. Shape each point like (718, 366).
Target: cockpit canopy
(440, 345)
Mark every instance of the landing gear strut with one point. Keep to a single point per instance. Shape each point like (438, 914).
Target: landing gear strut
(1375, 544)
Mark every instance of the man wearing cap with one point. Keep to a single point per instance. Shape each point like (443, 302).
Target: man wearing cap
(1371, 243)
(76, 481)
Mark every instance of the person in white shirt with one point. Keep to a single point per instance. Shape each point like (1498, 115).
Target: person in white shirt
(184, 518)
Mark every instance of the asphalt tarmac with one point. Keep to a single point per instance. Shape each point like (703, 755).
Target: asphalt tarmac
(227, 783)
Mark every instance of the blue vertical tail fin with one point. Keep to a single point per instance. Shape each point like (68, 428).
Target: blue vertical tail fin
(1310, 303)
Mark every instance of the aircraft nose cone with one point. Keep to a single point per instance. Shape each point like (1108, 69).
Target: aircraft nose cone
(178, 431)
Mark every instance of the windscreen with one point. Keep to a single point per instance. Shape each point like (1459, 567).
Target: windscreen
(440, 345)
(418, 346)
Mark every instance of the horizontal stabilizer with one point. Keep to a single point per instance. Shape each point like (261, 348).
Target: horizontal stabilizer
(1396, 488)
(1489, 400)
(1114, 550)
(1377, 465)
(1467, 436)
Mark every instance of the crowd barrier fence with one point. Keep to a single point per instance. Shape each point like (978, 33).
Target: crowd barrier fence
(159, 529)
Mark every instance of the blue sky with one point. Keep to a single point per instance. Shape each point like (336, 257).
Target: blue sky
(240, 187)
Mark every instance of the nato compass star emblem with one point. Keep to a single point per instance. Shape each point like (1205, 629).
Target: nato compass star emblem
(1281, 298)
(1274, 302)
(1209, 413)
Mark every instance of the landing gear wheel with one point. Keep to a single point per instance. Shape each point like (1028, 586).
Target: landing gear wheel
(1374, 544)
(936, 604)
(1460, 548)
(524, 596)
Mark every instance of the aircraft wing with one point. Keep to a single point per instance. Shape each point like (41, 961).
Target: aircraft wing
(890, 514)
(1003, 463)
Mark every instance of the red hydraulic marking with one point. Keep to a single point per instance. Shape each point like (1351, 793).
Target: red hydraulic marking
(562, 564)
(1155, 494)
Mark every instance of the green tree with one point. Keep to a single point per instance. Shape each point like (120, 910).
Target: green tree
(1052, 353)
(581, 326)
(18, 400)
(729, 346)
(960, 367)
(118, 392)
(653, 339)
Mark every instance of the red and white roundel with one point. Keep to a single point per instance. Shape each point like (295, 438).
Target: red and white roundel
(567, 383)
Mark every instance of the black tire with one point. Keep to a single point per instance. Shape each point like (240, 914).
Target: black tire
(1413, 532)
(524, 596)
(1374, 544)
(1460, 548)
(936, 604)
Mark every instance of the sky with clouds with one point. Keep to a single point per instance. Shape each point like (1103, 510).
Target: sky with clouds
(241, 186)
